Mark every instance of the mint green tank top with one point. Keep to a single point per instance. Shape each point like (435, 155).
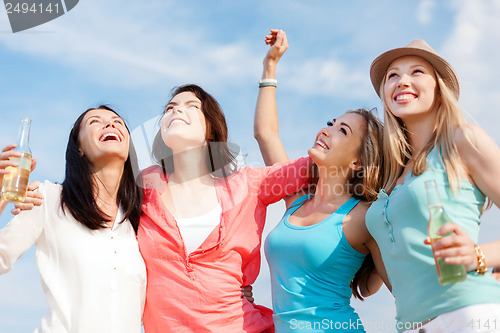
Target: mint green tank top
(398, 223)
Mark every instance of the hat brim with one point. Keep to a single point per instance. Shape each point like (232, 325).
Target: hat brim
(379, 67)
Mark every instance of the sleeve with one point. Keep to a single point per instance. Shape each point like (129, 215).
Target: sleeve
(282, 179)
(21, 233)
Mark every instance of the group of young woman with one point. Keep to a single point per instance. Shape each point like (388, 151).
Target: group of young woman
(356, 215)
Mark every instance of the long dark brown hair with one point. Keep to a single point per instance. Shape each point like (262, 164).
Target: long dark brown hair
(79, 187)
(221, 160)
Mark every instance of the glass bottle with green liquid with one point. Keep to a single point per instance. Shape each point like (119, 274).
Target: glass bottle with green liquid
(447, 274)
(15, 183)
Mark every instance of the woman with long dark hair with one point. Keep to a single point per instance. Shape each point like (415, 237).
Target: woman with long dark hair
(202, 222)
(91, 269)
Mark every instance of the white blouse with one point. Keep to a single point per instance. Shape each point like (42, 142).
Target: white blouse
(194, 230)
(94, 280)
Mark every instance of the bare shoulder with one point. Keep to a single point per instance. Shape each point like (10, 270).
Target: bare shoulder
(474, 145)
(357, 216)
(359, 211)
(471, 139)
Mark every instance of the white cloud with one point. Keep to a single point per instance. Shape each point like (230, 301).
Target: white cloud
(474, 49)
(329, 77)
(133, 48)
(424, 11)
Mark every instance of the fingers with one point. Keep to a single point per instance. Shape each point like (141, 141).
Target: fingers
(456, 247)
(32, 199)
(248, 288)
(278, 45)
(496, 276)
(5, 160)
(451, 227)
(34, 186)
(15, 211)
(9, 147)
(246, 292)
(453, 236)
(33, 164)
(284, 40)
(20, 206)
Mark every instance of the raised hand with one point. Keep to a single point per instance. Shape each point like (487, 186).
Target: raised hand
(279, 43)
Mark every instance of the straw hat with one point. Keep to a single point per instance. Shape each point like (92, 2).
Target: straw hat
(416, 48)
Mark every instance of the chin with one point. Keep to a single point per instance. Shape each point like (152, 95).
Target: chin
(313, 154)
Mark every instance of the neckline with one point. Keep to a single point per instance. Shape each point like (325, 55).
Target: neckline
(339, 211)
(217, 210)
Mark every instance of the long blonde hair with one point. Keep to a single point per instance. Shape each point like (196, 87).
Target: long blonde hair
(398, 150)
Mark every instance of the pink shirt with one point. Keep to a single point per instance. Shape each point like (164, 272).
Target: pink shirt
(200, 292)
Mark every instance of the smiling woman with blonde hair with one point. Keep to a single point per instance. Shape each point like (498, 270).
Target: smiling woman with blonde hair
(427, 139)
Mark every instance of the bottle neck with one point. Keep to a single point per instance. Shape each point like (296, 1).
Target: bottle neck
(433, 198)
(24, 136)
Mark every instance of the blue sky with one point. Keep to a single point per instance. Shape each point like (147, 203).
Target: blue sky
(130, 56)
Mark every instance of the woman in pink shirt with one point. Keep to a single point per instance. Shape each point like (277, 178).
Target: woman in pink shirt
(200, 232)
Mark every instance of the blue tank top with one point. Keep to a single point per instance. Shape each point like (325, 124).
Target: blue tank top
(311, 269)
(398, 223)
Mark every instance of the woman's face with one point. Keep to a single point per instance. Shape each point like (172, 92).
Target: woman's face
(410, 88)
(183, 124)
(103, 137)
(338, 145)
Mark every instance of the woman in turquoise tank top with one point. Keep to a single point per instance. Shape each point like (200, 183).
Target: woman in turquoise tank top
(426, 137)
(320, 245)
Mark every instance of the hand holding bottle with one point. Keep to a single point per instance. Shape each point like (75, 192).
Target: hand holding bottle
(457, 248)
(7, 153)
(441, 231)
(15, 181)
(32, 198)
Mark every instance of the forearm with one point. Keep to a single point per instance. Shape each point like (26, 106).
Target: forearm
(491, 253)
(266, 124)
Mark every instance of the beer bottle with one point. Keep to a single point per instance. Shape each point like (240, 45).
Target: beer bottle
(447, 274)
(15, 182)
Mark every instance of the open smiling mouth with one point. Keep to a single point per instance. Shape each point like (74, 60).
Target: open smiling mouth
(110, 137)
(177, 122)
(322, 144)
(405, 97)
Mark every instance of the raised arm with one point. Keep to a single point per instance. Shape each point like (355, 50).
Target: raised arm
(266, 126)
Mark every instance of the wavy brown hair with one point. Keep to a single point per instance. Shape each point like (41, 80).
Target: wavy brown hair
(221, 160)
